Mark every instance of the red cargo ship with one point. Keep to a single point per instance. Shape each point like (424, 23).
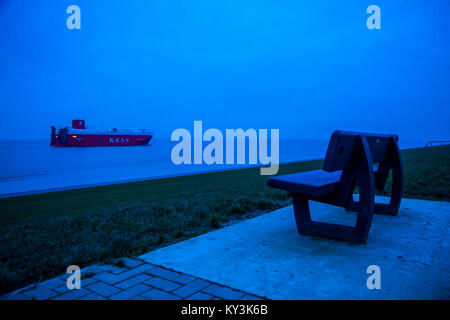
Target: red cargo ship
(79, 135)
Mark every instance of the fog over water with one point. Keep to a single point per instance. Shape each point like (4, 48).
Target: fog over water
(35, 165)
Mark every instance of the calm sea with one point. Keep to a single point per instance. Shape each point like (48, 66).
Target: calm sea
(35, 166)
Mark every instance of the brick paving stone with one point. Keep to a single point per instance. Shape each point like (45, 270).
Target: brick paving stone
(28, 287)
(62, 288)
(200, 296)
(14, 296)
(87, 281)
(161, 272)
(103, 289)
(250, 297)
(40, 293)
(53, 283)
(130, 292)
(131, 263)
(139, 280)
(111, 278)
(135, 271)
(223, 292)
(191, 288)
(133, 281)
(112, 269)
(92, 296)
(156, 294)
(73, 294)
(94, 268)
(184, 279)
(162, 284)
(108, 277)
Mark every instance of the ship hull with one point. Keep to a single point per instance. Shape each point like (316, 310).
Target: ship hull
(103, 140)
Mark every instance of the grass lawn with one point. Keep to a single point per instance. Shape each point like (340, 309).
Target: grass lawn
(40, 235)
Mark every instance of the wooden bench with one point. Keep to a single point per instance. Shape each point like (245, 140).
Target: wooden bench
(349, 162)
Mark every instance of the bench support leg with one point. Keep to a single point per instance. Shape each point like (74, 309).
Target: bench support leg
(395, 164)
(306, 226)
(390, 209)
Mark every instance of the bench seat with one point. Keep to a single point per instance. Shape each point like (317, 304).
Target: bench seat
(315, 183)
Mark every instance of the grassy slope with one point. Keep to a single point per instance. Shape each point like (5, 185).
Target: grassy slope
(40, 235)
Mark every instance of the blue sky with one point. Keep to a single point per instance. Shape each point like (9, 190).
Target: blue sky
(305, 67)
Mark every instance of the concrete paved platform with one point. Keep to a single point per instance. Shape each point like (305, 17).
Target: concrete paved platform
(267, 257)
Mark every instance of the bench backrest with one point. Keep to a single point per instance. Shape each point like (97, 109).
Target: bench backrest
(342, 145)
